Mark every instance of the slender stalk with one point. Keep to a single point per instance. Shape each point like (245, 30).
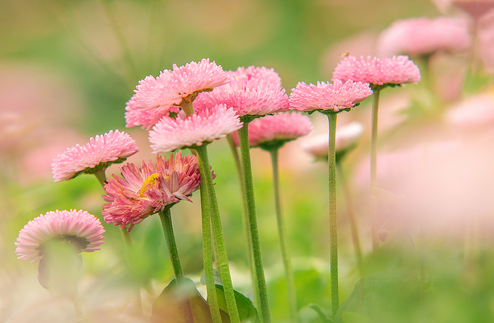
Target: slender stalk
(166, 223)
(373, 169)
(287, 262)
(245, 218)
(218, 233)
(207, 246)
(243, 136)
(351, 216)
(333, 229)
(101, 176)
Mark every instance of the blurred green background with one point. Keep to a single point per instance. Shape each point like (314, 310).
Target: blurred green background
(67, 68)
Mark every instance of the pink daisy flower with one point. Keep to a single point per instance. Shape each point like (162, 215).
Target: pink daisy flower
(278, 129)
(422, 36)
(101, 151)
(156, 97)
(347, 137)
(264, 73)
(80, 228)
(253, 97)
(377, 71)
(141, 192)
(328, 97)
(204, 126)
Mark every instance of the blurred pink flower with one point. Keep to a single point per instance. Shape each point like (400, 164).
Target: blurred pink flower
(377, 71)
(254, 96)
(156, 97)
(475, 8)
(201, 127)
(264, 73)
(476, 112)
(328, 97)
(80, 228)
(347, 137)
(422, 36)
(101, 151)
(141, 192)
(281, 127)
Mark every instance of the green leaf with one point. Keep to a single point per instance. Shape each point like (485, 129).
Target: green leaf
(381, 297)
(246, 309)
(321, 314)
(168, 306)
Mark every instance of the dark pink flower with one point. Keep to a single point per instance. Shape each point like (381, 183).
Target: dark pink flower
(422, 36)
(328, 97)
(80, 228)
(377, 71)
(141, 192)
(280, 127)
(157, 97)
(99, 153)
(204, 126)
(247, 96)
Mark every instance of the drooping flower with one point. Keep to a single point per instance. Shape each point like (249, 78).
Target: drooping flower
(253, 72)
(101, 151)
(328, 97)
(253, 97)
(141, 192)
(157, 97)
(205, 125)
(278, 128)
(81, 229)
(422, 36)
(346, 138)
(377, 71)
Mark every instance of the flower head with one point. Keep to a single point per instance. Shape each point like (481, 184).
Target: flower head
(377, 71)
(101, 151)
(80, 228)
(156, 97)
(253, 72)
(346, 138)
(205, 125)
(254, 96)
(422, 36)
(141, 192)
(328, 97)
(278, 129)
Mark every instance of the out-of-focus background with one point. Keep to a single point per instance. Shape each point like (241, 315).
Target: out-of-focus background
(67, 68)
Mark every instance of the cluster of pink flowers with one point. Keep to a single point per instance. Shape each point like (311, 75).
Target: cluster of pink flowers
(157, 97)
(99, 153)
(141, 192)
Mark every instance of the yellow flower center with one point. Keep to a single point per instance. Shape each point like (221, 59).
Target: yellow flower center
(151, 179)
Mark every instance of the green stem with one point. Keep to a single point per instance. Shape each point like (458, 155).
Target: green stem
(373, 169)
(218, 233)
(100, 175)
(187, 107)
(243, 135)
(287, 262)
(245, 218)
(351, 216)
(166, 223)
(333, 229)
(207, 246)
